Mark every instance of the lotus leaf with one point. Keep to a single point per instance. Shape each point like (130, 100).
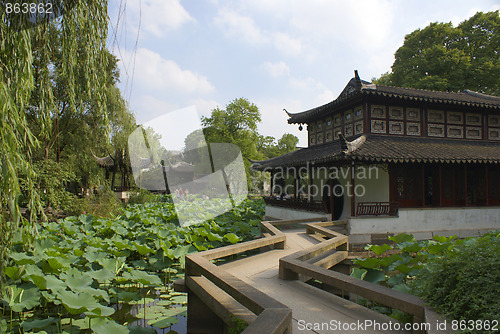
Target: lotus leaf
(106, 326)
(359, 273)
(38, 323)
(142, 249)
(181, 299)
(20, 299)
(22, 258)
(232, 238)
(102, 275)
(15, 273)
(164, 322)
(144, 277)
(374, 276)
(141, 330)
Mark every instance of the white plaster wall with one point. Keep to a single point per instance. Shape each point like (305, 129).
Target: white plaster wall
(375, 184)
(440, 220)
(286, 213)
(372, 184)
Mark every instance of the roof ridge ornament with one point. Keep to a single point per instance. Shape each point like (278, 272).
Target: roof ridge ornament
(350, 146)
(357, 79)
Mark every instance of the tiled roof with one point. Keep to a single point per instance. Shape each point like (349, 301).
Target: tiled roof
(383, 148)
(357, 88)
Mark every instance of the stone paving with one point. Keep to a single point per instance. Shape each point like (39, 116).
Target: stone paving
(313, 310)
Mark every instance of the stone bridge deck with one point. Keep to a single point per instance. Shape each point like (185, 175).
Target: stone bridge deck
(313, 310)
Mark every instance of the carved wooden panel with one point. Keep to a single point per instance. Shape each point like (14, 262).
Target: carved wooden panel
(396, 128)
(319, 138)
(336, 132)
(312, 140)
(413, 114)
(473, 132)
(348, 116)
(378, 126)
(328, 122)
(378, 112)
(396, 113)
(413, 129)
(337, 120)
(455, 117)
(311, 128)
(358, 112)
(493, 134)
(358, 127)
(319, 125)
(494, 120)
(472, 119)
(455, 131)
(348, 130)
(435, 116)
(329, 136)
(435, 130)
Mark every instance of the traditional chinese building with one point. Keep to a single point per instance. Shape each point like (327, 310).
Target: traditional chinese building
(392, 160)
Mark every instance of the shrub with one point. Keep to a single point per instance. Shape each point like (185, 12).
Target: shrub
(51, 181)
(464, 284)
(140, 196)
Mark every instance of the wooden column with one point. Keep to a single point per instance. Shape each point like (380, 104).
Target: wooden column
(423, 185)
(353, 197)
(272, 183)
(440, 185)
(295, 185)
(465, 177)
(487, 185)
(330, 183)
(311, 183)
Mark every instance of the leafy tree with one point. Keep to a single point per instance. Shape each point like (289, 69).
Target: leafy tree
(86, 22)
(237, 124)
(269, 148)
(447, 58)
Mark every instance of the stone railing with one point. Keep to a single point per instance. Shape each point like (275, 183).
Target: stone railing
(377, 209)
(218, 300)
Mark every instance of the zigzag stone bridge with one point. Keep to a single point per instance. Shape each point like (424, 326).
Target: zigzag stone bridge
(266, 290)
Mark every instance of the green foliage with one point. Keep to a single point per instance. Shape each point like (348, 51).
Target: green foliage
(25, 76)
(140, 196)
(270, 148)
(458, 277)
(237, 124)
(87, 272)
(447, 58)
(238, 326)
(464, 284)
(51, 182)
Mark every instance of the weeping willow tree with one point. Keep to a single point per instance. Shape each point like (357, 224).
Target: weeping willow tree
(24, 38)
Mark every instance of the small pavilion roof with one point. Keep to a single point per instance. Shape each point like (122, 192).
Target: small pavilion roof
(384, 148)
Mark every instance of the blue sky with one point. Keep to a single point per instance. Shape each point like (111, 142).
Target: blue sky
(278, 54)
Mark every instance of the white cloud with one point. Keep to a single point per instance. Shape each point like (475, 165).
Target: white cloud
(204, 106)
(146, 107)
(274, 119)
(156, 17)
(286, 44)
(276, 69)
(236, 25)
(152, 72)
(244, 28)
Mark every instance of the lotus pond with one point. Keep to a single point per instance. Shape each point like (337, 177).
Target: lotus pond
(86, 274)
